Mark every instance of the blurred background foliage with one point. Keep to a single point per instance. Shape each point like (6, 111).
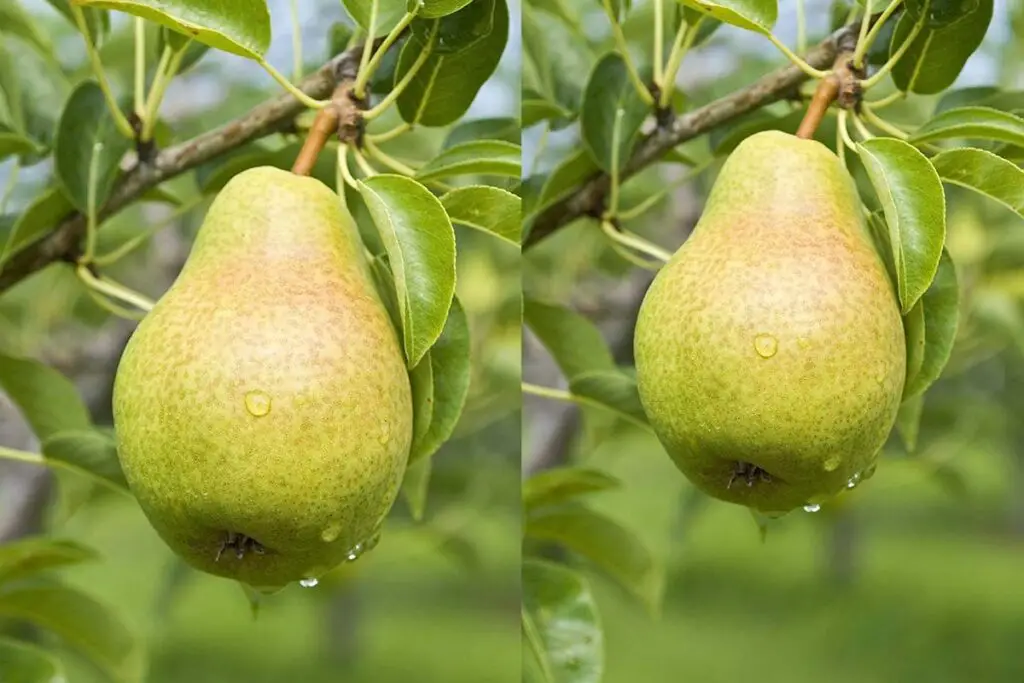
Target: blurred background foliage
(404, 612)
(912, 576)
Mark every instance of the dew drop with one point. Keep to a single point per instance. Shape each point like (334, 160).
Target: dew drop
(355, 552)
(812, 507)
(257, 403)
(331, 533)
(308, 583)
(854, 480)
(766, 345)
(832, 464)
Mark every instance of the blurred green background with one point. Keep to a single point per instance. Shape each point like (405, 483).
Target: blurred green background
(437, 601)
(912, 576)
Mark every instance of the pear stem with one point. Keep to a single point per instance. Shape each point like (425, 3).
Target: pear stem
(824, 95)
(324, 125)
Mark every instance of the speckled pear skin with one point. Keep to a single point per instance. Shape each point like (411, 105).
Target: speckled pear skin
(773, 336)
(266, 393)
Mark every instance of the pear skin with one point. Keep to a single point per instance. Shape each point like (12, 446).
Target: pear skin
(770, 351)
(262, 409)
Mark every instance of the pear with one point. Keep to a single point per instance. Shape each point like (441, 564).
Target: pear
(770, 351)
(262, 409)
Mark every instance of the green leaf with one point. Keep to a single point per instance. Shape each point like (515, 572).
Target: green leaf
(86, 625)
(97, 21)
(753, 15)
(415, 485)
(691, 16)
(914, 328)
(194, 50)
(561, 182)
(420, 243)
(446, 85)
(972, 122)
(89, 450)
(981, 96)
(35, 90)
(433, 9)
(479, 157)
(555, 57)
(421, 378)
(13, 143)
(338, 38)
(935, 58)
(941, 303)
(47, 399)
(450, 361)
(614, 390)
(28, 556)
(535, 108)
(14, 20)
(609, 91)
(984, 172)
(560, 623)
(499, 128)
(941, 13)
(490, 209)
(241, 27)
(24, 663)
(85, 123)
(915, 210)
(39, 218)
(908, 421)
(388, 13)
(573, 341)
(604, 542)
(562, 484)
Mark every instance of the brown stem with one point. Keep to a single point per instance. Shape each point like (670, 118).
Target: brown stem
(824, 95)
(324, 125)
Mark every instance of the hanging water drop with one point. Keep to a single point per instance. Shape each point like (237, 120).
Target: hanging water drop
(309, 582)
(854, 480)
(812, 507)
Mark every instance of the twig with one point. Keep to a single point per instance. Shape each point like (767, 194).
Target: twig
(265, 119)
(589, 199)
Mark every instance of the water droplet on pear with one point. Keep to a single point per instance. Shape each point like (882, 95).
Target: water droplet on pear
(257, 403)
(766, 345)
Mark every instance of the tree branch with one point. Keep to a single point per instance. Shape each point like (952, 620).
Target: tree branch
(270, 117)
(589, 199)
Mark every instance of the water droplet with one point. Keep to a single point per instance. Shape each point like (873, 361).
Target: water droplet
(854, 480)
(355, 552)
(257, 403)
(812, 507)
(766, 345)
(308, 583)
(331, 533)
(832, 464)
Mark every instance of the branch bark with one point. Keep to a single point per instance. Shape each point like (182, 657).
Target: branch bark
(590, 198)
(270, 117)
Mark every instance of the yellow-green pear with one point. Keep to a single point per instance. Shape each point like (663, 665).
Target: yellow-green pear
(262, 408)
(770, 351)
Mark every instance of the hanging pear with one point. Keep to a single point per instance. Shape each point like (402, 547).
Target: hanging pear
(770, 351)
(262, 409)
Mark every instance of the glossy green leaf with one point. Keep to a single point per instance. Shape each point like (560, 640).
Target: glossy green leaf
(937, 55)
(489, 209)
(39, 218)
(972, 122)
(415, 485)
(612, 389)
(84, 624)
(447, 83)
(89, 450)
(34, 89)
(28, 556)
(939, 13)
(13, 143)
(560, 183)
(753, 15)
(555, 57)
(47, 399)
(604, 542)
(561, 627)
(911, 195)
(479, 157)
(97, 21)
(24, 663)
(15, 20)
(908, 421)
(497, 128)
(85, 123)
(421, 378)
(420, 243)
(450, 361)
(563, 484)
(388, 13)
(573, 341)
(914, 329)
(608, 92)
(984, 172)
(338, 38)
(941, 303)
(981, 96)
(691, 16)
(241, 27)
(433, 9)
(535, 108)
